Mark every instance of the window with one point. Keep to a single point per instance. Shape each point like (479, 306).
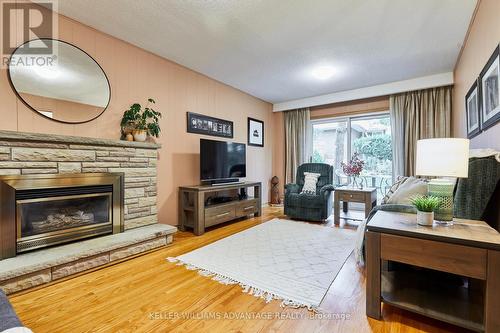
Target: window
(336, 139)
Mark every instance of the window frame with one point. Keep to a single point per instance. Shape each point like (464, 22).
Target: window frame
(348, 119)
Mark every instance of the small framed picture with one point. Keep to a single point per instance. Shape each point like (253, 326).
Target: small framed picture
(489, 90)
(472, 111)
(255, 132)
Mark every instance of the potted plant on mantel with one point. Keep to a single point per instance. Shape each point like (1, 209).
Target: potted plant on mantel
(137, 124)
(425, 208)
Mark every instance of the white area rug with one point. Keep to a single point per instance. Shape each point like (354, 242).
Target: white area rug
(292, 261)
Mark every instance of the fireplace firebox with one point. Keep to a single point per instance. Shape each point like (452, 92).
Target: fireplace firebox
(38, 211)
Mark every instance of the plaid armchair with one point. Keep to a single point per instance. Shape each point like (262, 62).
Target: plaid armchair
(309, 207)
(475, 195)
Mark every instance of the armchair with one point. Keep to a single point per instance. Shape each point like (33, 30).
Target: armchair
(306, 206)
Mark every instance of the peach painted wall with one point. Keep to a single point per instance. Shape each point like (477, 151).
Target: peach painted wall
(135, 75)
(483, 37)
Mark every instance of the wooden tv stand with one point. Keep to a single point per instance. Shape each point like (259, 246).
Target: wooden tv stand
(195, 214)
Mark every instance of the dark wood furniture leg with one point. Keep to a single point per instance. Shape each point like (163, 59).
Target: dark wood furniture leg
(336, 208)
(492, 302)
(182, 212)
(373, 283)
(345, 206)
(368, 208)
(199, 214)
(257, 193)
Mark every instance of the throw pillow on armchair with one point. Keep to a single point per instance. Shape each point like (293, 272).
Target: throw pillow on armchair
(310, 182)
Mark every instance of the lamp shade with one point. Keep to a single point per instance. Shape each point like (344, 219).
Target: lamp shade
(445, 157)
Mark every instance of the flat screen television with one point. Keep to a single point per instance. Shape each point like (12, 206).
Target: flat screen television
(222, 161)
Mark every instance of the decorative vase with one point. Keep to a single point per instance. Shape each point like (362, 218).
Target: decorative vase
(425, 218)
(129, 137)
(355, 183)
(128, 128)
(140, 135)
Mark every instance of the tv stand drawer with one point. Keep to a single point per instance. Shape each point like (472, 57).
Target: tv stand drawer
(247, 207)
(216, 215)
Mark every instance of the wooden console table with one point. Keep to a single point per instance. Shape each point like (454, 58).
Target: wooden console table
(468, 249)
(367, 195)
(195, 213)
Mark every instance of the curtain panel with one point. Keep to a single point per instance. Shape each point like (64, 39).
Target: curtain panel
(415, 115)
(297, 141)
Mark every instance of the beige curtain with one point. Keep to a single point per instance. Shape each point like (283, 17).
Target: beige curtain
(416, 115)
(297, 141)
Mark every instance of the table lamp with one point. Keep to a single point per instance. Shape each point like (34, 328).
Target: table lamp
(444, 157)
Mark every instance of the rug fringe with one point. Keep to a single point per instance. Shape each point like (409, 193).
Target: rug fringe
(256, 292)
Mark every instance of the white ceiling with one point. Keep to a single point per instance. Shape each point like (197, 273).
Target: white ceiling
(268, 48)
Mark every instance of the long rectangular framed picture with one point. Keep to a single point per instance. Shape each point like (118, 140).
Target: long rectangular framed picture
(255, 132)
(201, 124)
(489, 90)
(472, 111)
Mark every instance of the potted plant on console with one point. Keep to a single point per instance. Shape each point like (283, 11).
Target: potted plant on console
(138, 124)
(425, 208)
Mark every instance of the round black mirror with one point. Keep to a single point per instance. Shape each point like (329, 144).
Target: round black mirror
(68, 86)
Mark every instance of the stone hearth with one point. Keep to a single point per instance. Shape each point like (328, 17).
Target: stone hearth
(47, 265)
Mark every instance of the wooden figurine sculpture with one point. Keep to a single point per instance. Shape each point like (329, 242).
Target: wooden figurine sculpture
(275, 192)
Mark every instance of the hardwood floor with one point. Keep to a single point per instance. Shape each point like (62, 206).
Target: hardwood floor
(149, 294)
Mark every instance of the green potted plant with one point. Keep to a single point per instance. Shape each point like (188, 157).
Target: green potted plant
(141, 123)
(425, 208)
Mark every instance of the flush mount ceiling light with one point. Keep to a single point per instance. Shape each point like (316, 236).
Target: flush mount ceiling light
(323, 72)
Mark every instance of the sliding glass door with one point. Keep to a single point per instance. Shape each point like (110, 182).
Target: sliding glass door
(330, 143)
(336, 139)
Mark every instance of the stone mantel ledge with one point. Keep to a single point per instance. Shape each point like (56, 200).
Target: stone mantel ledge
(54, 138)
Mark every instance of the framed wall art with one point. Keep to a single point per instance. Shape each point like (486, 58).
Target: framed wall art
(472, 111)
(255, 132)
(489, 90)
(201, 124)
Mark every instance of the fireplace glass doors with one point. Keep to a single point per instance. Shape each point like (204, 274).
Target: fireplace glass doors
(38, 211)
(47, 217)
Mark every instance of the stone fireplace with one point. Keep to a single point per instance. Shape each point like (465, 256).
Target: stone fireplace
(56, 209)
(72, 204)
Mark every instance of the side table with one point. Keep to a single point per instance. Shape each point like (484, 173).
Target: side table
(367, 195)
(469, 249)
